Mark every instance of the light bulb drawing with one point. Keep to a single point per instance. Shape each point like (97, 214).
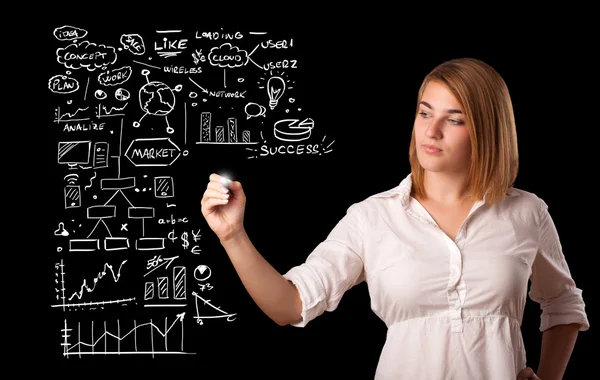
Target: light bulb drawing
(275, 89)
(156, 98)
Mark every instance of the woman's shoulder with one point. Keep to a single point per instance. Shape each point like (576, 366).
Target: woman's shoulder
(522, 204)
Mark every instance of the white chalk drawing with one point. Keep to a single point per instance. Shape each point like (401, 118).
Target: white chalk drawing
(102, 111)
(163, 187)
(122, 94)
(84, 287)
(254, 110)
(67, 32)
(100, 155)
(100, 94)
(160, 151)
(87, 55)
(169, 46)
(160, 289)
(291, 130)
(156, 98)
(98, 345)
(275, 90)
(133, 43)
(215, 117)
(74, 153)
(62, 84)
(202, 273)
(208, 135)
(91, 181)
(69, 116)
(227, 55)
(61, 231)
(200, 317)
(114, 77)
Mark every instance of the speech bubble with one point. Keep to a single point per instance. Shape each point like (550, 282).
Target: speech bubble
(86, 54)
(62, 84)
(115, 77)
(134, 43)
(67, 32)
(227, 55)
(254, 110)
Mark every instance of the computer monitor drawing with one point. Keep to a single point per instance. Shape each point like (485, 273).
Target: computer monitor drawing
(74, 153)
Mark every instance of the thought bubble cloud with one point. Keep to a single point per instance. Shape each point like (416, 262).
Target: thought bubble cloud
(227, 56)
(86, 54)
(134, 43)
(62, 84)
(254, 110)
(115, 77)
(67, 32)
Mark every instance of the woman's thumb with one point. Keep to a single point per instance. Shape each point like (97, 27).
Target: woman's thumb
(526, 373)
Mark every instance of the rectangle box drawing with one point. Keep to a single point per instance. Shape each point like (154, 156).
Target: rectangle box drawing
(101, 212)
(81, 245)
(219, 134)
(149, 291)
(117, 183)
(163, 187)
(205, 126)
(179, 282)
(116, 243)
(246, 136)
(163, 287)
(140, 212)
(232, 130)
(149, 244)
(100, 155)
(72, 196)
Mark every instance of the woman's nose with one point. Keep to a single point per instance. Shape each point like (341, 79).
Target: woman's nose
(434, 129)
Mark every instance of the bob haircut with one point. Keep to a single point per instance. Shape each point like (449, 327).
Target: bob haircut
(486, 103)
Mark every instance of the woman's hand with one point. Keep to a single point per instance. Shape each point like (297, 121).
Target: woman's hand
(527, 374)
(223, 211)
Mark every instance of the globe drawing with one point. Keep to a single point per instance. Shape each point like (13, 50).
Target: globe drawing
(156, 98)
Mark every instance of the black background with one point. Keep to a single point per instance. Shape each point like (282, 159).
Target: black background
(360, 88)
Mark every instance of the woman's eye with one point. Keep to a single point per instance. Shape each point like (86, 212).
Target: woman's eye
(424, 114)
(455, 121)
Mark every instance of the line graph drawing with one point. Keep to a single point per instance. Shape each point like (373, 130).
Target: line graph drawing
(99, 346)
(100, 275)
(84, 287)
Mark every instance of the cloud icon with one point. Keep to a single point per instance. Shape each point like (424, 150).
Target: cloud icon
(86, 54)
(227, 56)
(62, 84)
(66, 33)
(254, 110)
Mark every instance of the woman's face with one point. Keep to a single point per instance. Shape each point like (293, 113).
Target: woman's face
(440, 122)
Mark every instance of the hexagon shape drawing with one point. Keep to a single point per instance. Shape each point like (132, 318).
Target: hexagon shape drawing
(159, 151)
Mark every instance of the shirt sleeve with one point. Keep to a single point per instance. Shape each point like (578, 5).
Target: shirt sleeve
(552, 285)
(333, 267)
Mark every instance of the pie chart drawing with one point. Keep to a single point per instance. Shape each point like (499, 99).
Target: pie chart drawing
(202, 273)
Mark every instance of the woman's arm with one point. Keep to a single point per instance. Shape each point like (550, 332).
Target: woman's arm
(557, 345)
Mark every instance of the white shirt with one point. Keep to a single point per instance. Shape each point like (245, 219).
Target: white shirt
(453, 309)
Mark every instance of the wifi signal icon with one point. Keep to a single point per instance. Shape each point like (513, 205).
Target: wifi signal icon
(71, 178)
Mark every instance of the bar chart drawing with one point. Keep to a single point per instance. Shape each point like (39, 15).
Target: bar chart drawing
(146, 338)
(159, 289)
(222, 134)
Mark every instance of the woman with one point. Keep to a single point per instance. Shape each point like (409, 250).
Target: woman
(447, 254)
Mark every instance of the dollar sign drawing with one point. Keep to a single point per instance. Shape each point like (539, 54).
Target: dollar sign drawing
(184, 237)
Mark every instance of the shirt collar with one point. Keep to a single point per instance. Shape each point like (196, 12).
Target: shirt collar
(403, 192)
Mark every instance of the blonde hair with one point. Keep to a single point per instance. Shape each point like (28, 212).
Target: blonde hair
(488, 110)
